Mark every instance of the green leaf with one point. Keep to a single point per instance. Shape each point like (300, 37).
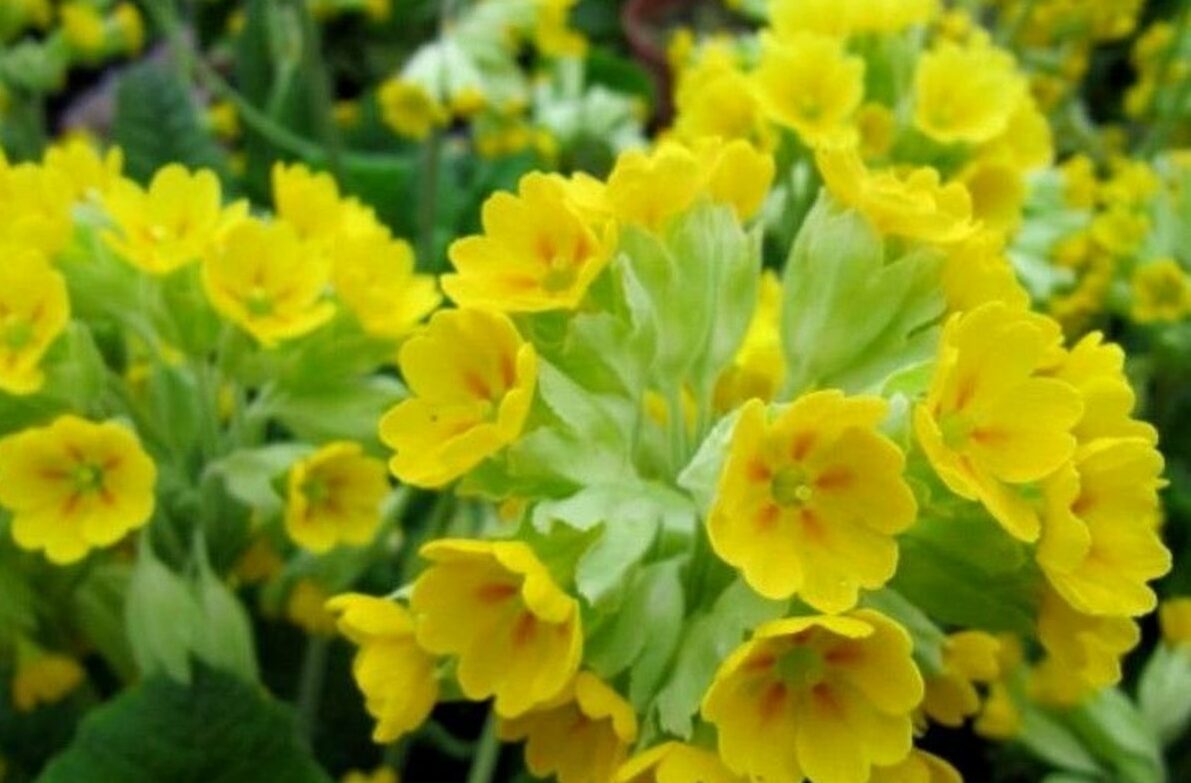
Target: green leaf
(708, 640)
(851, 319)
(701, 476)
(157, 122)
(248, 474)
(1164, 692)
(216, 730)
(1048, 739)
(226, 639)
(654, 600)
(348, 409)
(99, 611)
(1114, 730)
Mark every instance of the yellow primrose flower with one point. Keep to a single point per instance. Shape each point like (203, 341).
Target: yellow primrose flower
(647, 188)
(373, 275)
(537, 251)
(1084, 646)
(760, 365)
(83, 28)
(129, 26)
(1174, 616)
(825, 698)
(42, 678)
(918, 767)
(495, 606)
(997, 190)
(74, 485)
(714, 98)
(409, 109)
(1100, 543)
(809, 501)
(969, 658)
(737, 173)
(876, 127)
(1161, 292)
(78, 160)
(809, 83)
(1079, 181)
(472, 378)
(552, 35)
(378, 775)
(36, 204)
(1026, 143)
(268, 282)
(989, 424)
(334, 497)
(394, 673)
(977, 270)
(912, 204)
(676, 762)
(999, 718)
(1119, 230)
(224, 120)
(308, 201)
(965, 93)
(1097, 370)
(34, 310)
(169, 225)
(581, 736)
(847, 17)
(306, 607)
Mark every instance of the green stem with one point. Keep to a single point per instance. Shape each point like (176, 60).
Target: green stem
(310, 685)
(428, 201)
(483, 768)
(447, 742)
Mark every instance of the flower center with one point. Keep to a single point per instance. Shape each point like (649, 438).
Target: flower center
(790, 487)
(17, 333)
(259, 302)
(559, 277)
(801, 668)
(87, 478)
(956, 429)
(316, 491)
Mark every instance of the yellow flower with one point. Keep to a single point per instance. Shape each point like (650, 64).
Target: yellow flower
(675, 762)
(969, 658)
(918, 767)
(268, 282)
(74, 485)
(552, 35)
(259, 562)
(809, 83)
(306, 607)
(824, 697)
(760, 365)
(847, 17)
(989, 424)
(999, 718)
(378, 775)
(171, 224)
(309, 202)
(977, 270)
(737, 173)
(965, 94)
(998, 192)
(1174, 616)
(809, 501)
(409, 109)
(34, 310)
(912, 204)
(581, 736)
(42, 678)
(1083, 646)
(1119, 230)
(472, 378)
(495, 606)
(224, 120)
(1100, 542)
(876, 126)
(130, 27)
(537, 251)
(714, 98)
(35, 206)
(78, 160)
(395, 674)
(1026, 143)
(334, 497)
(374, 276)
(82, 26)
(1079, 181)
(1161, 292)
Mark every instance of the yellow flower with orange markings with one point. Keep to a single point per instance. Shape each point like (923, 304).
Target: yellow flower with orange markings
(172, 223)
(825, 698)
(969, 658)
(966, 93)
(809, 500)
(394, 673)
(75, 485)
(34, 311)
(990, 425)
(472, 378)
(334, 497)
(914, 204)
(676, 762)
(496, 607)
(268, 282)
(1097, 370)
(808, 82)
(537, 251)
(581, 736)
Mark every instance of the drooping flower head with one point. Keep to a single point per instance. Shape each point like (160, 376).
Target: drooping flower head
(970, 658)
(334, 497)
(1084, 650)
(472, 379)
(34, 310)
(394, 673)
(75, 485)
(538, 251)
(809, 500)
(494, 605)
(582, 736)
(825, 698)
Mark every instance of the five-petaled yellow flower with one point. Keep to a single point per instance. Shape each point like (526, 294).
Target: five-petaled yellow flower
(472, 379)
(581, 736)
(809, 500)
(75, 485)
(374, 276)
(676, 762)
(537, 251)
(808, 82)
(268, 282)
(394, 673)
(965, 93)
(172, 223)
(824, 697)
(990, 424)
(334, 497)
(34, 310)
(496, 606)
